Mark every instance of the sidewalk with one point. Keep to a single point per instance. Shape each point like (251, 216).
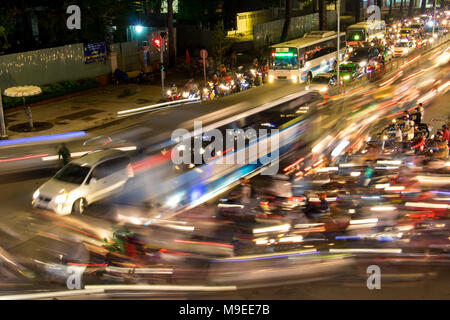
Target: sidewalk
(87, 110)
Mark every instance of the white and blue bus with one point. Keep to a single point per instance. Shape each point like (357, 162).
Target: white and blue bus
(301, 59)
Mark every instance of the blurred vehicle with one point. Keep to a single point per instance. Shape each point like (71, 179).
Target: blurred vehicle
(88, 179)
(403, 48)
(350, 71)
(325, 84)
(417, 28)
(365, 31)
(207, 93)
(364, 56)
(48, 257)
(385, 52)
(405, 33)
(173, 94)
(299, 60)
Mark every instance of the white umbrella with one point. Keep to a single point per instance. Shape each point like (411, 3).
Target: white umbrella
(24, 91)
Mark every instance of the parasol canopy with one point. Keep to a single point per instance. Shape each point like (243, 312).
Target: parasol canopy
(22, 91)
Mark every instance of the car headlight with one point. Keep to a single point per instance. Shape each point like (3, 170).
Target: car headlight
(185, 94)
(294, 79)
(169, 92)
(435, 35)
(347, 77)
(324, 89)
(36, 194)
(60, 199)
(405, 50)
(362, 63)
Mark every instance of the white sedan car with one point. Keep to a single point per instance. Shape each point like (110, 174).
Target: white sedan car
(403, 48)
(90, 178)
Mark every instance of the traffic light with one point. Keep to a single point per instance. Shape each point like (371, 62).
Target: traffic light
(157, 43)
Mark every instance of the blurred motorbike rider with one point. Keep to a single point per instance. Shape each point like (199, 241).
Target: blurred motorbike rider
(418, 143)
(246, 191)
(191, 86)
(446, 134)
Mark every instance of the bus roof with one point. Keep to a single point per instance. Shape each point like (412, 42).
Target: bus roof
(365, 24)
(308, 39)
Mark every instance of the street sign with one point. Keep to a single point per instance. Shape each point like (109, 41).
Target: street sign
(203, 54)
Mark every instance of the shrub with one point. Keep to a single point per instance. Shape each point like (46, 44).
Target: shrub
(52, 90)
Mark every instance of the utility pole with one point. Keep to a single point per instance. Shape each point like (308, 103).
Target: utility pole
(434, 15)
(163, 48)
(2, 119)
(338, 44)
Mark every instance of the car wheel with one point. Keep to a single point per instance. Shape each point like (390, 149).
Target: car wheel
(79, 206)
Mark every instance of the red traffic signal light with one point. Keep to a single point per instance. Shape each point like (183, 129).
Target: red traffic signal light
(157, 42)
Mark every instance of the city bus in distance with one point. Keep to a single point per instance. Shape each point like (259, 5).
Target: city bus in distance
(299, 60)
(365, 31)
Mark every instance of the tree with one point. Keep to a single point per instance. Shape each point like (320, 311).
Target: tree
(172, 58)
(423, 6)
(3, 40)
(357, 9)
(322, 15)
(411, 8)
(287, 20)
(218, 41)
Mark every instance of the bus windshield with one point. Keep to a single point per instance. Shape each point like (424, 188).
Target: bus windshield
(286, 60)
(356, 35)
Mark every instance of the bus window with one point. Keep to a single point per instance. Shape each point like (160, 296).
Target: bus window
(284, 60)
(356, 35)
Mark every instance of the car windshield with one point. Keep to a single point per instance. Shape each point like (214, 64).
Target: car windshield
(360, 53)
(346, 68)
(402, 44)
(321, 79)
(73, 173)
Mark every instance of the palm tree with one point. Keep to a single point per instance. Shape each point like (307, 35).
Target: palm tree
(287, 20)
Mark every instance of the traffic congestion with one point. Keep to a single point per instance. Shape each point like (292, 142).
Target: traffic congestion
(357, 125)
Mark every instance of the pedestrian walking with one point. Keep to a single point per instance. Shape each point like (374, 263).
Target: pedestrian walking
(64, 155)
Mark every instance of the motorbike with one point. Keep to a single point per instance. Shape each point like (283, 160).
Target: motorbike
(207, 94)
(423, 128)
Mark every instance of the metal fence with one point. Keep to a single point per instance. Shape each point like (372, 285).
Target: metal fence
(127, 55)
(47, 66)
(269, 33)
(51, 65)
